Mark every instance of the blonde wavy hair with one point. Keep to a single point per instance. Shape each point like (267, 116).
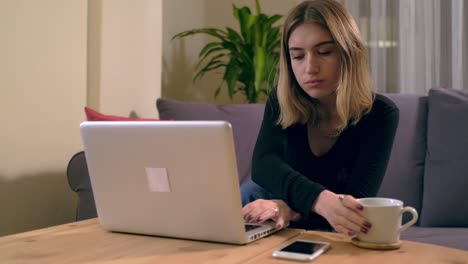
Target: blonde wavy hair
(354, 94)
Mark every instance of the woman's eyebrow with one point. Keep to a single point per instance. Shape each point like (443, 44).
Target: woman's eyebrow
(315, 46)
(324, 43)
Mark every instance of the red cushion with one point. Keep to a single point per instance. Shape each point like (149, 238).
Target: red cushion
(93, 115)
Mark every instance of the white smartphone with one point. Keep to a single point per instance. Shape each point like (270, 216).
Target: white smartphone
(302, 250)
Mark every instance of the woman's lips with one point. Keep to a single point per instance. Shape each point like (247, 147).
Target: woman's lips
(313, 83)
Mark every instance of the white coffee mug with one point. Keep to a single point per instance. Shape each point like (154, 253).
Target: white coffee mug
(385, 215)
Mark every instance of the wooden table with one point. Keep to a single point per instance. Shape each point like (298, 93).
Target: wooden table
(342, 251)
(86, 242)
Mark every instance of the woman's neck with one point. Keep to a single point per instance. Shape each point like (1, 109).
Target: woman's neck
(327, 111)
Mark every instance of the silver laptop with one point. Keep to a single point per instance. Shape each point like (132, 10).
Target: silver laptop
(168, 178)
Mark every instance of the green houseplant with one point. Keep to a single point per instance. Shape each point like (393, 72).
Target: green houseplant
(249, 57)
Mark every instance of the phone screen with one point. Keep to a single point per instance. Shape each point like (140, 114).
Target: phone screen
(303, 247)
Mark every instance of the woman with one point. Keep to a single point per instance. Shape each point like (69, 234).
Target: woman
(326, 137)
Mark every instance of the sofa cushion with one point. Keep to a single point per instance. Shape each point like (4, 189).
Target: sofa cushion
(446, 169)
(244, 118)
(442, 236)
(93, 115)
(405, 170)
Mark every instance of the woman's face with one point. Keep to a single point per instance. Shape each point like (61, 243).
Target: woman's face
(315, 61)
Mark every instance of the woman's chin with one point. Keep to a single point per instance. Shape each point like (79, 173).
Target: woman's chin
(315, 94)
(320, 95)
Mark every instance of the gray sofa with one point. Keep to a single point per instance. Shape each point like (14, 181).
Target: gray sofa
(428, 168)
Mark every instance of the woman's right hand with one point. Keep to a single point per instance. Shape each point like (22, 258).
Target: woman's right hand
(261, 210)
(343, 213)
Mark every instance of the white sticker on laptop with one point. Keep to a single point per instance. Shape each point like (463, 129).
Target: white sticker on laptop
(158, 180)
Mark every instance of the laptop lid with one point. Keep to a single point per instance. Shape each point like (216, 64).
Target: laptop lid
(167, 178)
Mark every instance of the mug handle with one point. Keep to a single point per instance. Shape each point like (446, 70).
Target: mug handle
(413, 220)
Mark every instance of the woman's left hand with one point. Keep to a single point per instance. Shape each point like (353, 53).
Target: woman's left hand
(261, 210)
(343, 212)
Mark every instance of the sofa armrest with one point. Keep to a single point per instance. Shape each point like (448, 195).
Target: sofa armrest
(79, 181)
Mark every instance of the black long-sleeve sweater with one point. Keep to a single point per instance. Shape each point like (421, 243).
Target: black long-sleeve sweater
(284, 165)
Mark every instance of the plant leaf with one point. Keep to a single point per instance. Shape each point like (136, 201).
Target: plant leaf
(233, 36)
(208, 53)
(231, 76)
(246, 21)
(207, 47)
(217, 33)
(208, 68)
(214, 63)
(259, 62)
(247, 56)
(218, 90)
(257, 7)
(270, 21)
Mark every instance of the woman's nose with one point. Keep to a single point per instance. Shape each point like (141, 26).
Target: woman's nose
(312, 65)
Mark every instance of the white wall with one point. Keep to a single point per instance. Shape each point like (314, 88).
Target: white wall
(46, 79)
(43, 87)
(126, 37)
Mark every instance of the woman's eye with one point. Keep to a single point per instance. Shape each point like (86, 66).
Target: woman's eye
(324, 52)
(297, 57)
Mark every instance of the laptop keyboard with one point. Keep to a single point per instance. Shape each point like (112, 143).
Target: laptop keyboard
(250, 227)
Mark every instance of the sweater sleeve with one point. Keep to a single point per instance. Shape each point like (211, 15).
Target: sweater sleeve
(376, 144)
(270, 169)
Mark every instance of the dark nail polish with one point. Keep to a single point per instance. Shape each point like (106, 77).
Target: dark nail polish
(364, 230)
(259, 219)
(360, 207)
(249, 218)
(367, 224)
